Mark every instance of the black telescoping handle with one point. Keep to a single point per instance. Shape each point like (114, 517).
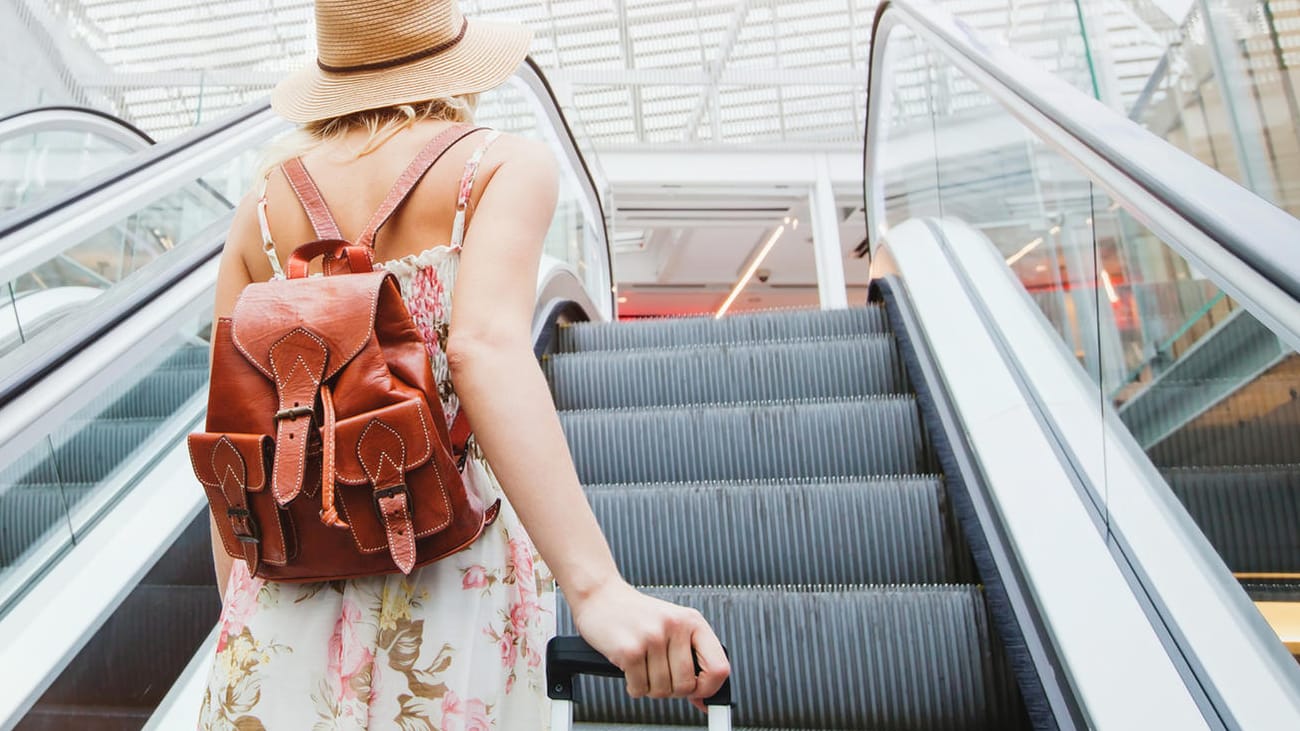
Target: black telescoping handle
(569, 657)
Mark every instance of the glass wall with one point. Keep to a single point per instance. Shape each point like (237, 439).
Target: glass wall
(82, 273)
(1226, 94)
(53, 493)
(1206, 390)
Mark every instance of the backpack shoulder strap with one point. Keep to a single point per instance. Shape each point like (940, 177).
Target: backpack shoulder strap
(322, 221)
(414, 172)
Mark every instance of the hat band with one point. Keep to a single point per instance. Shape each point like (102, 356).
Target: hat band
(409, 58)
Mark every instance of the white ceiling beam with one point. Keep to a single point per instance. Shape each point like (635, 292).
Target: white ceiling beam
(247, 78)
(728, 77)
(710, 90)
(720, 167)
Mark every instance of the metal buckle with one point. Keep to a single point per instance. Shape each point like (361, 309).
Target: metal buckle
(390, 491)
(247, 517)
(293, 412)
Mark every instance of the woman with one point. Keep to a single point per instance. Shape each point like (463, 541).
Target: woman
(457, 644)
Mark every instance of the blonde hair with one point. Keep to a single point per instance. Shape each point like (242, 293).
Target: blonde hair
(380, 124)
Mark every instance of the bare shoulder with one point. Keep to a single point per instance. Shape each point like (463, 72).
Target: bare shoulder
(245, 238)
(522, 158)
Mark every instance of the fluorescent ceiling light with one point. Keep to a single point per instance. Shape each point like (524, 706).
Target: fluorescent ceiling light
(749, 272)
(1021, 254)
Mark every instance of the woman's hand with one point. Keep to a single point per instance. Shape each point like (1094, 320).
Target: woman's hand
(651, 641)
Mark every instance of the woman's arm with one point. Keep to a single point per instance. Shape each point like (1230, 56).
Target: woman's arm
(232, 277)
(503, 391)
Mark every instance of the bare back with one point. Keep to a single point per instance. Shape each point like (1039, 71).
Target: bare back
(354, 187)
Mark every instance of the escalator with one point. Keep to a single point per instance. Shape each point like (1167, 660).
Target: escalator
(922, 513)
(45, 151)
(775, 471)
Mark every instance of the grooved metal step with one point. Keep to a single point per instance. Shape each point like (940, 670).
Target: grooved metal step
(156, 396)
(759, 327)
(127, 663)
(877, 531)
(820, 368)
(28, 512)
(84, 718)
(1250, 514)
(752, 441)
(840, 657)
(91, 449)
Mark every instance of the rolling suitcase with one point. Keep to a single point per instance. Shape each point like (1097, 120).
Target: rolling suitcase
(569, 657)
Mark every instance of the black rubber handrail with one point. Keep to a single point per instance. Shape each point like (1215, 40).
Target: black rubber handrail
(97, 323)
(1262, 236)
(84, 111)
(586, 171)
(27, 215)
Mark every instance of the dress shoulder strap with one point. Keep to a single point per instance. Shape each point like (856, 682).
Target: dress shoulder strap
(268, 245)
(406, 182)
(467, 187)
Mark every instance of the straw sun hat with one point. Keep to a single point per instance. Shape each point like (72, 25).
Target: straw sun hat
(380, 53)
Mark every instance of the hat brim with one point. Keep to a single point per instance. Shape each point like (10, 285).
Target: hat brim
(485, 58)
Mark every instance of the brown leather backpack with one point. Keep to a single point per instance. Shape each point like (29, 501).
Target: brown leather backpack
(326, 454)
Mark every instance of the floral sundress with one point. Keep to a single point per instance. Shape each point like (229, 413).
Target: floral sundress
(455, 646)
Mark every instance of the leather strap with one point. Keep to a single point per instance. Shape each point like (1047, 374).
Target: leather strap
(232, 475)
(382, 454)
(329, 514)
(322, 221)
(298, 364)
(459, 434)
(414, 172)
(340, 258)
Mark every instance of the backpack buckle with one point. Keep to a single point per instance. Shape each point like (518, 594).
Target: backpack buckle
(293, 412)
(241, 515)
(391, 491)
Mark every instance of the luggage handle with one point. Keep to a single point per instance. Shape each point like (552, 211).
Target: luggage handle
(571, 656)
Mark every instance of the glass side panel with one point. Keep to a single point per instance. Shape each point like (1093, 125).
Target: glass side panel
(575, 234)
(84, 274)
(52, 494)
(38, 166)
(1227, 94)
(1208, 393)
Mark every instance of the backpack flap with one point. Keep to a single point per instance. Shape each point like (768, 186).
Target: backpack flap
(299, 333)
(387, 499)
(232, 470)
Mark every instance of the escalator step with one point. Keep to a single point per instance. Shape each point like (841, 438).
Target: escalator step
(822, 368)
(881, 531)
(89, 450)
(157, 395)
(84, 718)
(187, 357)
(1272, 591)
(1249, 514)
(842, 657)
(744, 328)
(874, 436)
(134, 658)
(188, 561)
(642, 727)
(28, 512)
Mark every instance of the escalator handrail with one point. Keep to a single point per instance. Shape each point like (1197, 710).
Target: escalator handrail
(90, 120)
(587, 179)
(104, 322)
(1182, 190)
(21, 218)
